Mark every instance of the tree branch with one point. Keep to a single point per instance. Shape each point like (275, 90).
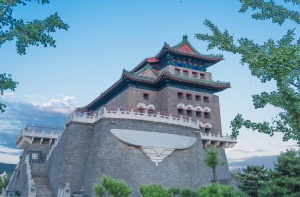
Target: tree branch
(7, 7)
(292, 83)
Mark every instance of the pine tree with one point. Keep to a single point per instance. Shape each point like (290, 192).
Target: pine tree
(286, 176)
(252, 178)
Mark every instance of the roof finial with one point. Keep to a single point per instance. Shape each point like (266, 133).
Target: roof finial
(185, 37)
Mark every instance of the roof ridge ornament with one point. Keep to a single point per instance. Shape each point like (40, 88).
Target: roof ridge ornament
(185, 37)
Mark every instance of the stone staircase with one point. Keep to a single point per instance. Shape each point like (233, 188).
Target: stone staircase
(41, 180)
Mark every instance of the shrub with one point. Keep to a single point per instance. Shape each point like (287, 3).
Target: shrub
(154, 190)
(175, 191)
(218, 190)
(113, 187)
(187, 192)
(98, 188)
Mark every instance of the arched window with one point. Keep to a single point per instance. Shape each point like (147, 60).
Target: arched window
(141, 110)
(151, 111)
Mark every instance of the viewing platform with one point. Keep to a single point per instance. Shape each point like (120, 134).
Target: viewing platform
(207, 138)
(223, 141)
(38, 134)
(85, 117)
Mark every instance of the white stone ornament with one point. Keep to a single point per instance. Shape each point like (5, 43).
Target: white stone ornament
(157, 146)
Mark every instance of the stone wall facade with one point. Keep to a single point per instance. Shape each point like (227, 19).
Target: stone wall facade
(166, 101)
(67, 163)
(19, 179)
(87, 152)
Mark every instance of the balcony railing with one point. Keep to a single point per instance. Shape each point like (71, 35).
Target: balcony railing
(86, 117)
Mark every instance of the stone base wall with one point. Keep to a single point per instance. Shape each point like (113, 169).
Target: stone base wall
(85, 153)
(19, 180)
(67, 163)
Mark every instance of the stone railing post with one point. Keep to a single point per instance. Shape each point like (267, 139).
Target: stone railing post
(32, 191)
(3, 191)
(31, 183)
(64, 192)
(67, 192)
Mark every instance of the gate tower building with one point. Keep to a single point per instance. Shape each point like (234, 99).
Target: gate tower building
(151, 126)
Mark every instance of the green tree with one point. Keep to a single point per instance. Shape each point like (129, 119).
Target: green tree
(274, 60)
(6, 83)
(285, 179)
(34, 32)
(253, 178)
(213, 160)
(4, 182)
(26, 33)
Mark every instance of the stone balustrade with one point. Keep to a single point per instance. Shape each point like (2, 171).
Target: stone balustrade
(52, 148)
(207, 139)
(223, 141)
(30, 181)
(27, 136)
(91, 118)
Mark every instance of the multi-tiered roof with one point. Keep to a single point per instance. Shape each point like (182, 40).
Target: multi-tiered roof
(151, 74)
(183, 55)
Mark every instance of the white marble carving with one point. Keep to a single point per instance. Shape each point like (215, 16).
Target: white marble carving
(157, 117)
(143, 106)
(224, 141)
(197, 108)
(157, 146)
(30, 181)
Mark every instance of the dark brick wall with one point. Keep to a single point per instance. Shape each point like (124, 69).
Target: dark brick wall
(163, 101)
(19, 180)
(135, 96)
(85, 153)
(167, 100)
(69, 159)
(213, 104)
(109, 156)
(120, 100)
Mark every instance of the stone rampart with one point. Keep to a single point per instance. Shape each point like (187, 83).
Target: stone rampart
(86, 152)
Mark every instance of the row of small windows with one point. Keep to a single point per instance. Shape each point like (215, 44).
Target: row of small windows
(181, 96)
(187, 74)
(190, 97)
(189, 66)
(198, 114)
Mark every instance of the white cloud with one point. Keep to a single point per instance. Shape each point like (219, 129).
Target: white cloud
(65, 104)
(33, 109)
(9, 151)
(6, 158)
(283, 144)
(8, 95)
(9, 155)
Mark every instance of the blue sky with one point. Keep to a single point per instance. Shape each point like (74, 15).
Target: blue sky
(106, 37)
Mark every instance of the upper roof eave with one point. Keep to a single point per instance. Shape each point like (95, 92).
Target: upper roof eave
(133, 77)
(167, 48)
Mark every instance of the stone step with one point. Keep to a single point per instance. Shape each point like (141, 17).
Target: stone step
(44, 195)
(41, 180)
(44, 191)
